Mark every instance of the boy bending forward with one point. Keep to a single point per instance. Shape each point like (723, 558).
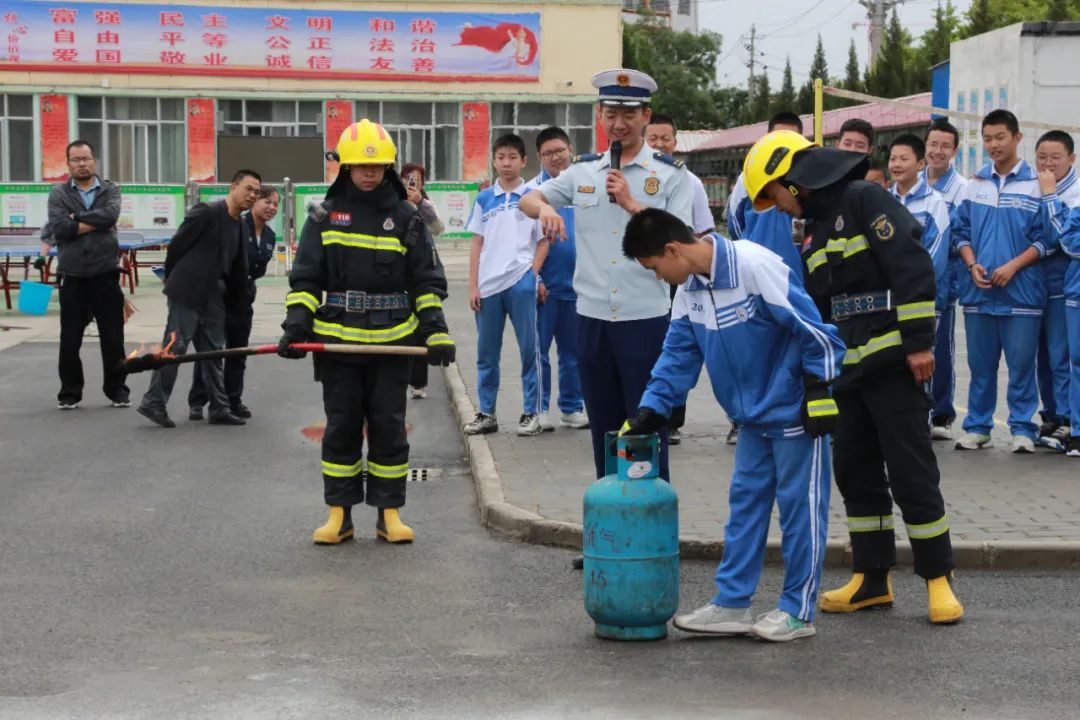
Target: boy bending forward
(769, 356)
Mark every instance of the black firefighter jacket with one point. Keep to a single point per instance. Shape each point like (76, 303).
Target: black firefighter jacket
(372, 242)
(860, 241)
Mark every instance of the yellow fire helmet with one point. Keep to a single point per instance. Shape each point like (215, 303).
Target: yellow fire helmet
(770, 159)
(365, 143)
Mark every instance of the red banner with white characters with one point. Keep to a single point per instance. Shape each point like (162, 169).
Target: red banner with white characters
(54, 138)
(477, 141)
(339, 115)
(202, 140)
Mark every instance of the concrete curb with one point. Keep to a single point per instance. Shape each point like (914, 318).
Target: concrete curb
(513, 522)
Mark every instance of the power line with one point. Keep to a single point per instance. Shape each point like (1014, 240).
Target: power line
(815, 27)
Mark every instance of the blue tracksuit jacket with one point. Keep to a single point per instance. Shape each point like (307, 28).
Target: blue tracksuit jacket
(928, 207)
(771, 229)
(1055, 215)
(998, 217)
(757, 332)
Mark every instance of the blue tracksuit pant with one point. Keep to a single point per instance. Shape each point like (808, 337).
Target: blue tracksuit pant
(519, 302)
(1072, 318)
(615, 360)
(987, 337)
(944, 382)
(795, 472)
(559, 321)
(1052, 363)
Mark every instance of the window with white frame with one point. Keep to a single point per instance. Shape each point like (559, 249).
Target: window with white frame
(137, 139)
(273, 118)
(17, 138)
(428, 134)
(528, 119)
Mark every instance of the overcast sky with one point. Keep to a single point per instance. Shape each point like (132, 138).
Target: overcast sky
(792, 26)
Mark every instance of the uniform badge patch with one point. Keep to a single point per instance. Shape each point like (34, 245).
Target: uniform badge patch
(652, 185)
(839, 223)
(883, 228)
(586, 188)
(343, 219)
(741, 314)
(389, 224)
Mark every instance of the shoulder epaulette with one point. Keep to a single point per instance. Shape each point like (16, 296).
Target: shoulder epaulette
(668, 159)
(587, 157)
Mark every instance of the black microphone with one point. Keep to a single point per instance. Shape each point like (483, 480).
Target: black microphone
(616, 157)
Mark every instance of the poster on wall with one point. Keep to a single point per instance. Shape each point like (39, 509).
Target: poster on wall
(339, 115)
(476, 126)
(269, 42)
(54, 138)
(453, 202)
(304, 193)
(24, 206)
(151, 207)
(201, 140)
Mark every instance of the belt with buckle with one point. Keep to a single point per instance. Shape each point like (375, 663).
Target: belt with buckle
(846, 306)
(359, 301)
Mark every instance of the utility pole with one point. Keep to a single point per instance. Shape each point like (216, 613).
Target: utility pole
(753, 57)
(878, 12)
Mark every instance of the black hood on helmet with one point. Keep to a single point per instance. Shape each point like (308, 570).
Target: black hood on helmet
(343, 182)
(815, 168)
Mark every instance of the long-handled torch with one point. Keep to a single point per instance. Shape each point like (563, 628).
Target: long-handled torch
(136, 362)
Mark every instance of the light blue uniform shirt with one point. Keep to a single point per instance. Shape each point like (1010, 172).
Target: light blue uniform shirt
(608, 286)
(90, 193)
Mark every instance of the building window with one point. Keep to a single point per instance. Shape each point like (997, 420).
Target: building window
(528, 119)
(425, 133)
(138, 139)
(272, 118)
(684, 7)
(17, 138)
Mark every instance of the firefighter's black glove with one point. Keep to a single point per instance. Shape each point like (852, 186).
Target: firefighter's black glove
(293, 334)
(440, 350)
(819, 413)
(39, 262)
(647, 422)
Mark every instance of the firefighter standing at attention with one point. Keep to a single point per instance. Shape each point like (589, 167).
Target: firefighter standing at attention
(366, 272)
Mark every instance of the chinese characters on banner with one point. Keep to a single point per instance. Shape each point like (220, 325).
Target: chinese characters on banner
(201, 140)
(477, 142)
(54, 138)
(338, 117)
(45, 35)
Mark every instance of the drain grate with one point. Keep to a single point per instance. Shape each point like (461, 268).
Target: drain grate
(424, 474)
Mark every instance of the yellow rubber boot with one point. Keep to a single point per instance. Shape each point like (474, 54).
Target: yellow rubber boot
(864, 590)
(944, 607)
(338, 527)
(390, 528)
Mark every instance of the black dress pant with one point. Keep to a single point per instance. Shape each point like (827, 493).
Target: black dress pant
(882, 444)
(237, 334)
(418, 370)
(100, 297)
(371, 395)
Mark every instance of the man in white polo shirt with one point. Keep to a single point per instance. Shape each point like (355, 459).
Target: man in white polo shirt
(504, 263)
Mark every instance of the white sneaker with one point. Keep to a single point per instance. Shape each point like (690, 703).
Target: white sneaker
(482, 425)
(419, 393)
(716, 620)
(529, 424)
(1023, 444)
(67, 405)
(545, 422)
(779, 626)
(974, 441)
(576, 420)
(941, 432)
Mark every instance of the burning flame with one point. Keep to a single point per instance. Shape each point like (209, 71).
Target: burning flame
(157, 351)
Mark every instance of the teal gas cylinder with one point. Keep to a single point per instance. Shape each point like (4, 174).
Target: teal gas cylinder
(630, 543)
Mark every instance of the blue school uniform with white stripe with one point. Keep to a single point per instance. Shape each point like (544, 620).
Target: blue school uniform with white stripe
(1052, 361)
(944, 383)
(771, 229)
(998, 217)
(758, 333)
(929, 209)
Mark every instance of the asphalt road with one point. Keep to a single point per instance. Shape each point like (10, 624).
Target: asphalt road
(150, 573)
